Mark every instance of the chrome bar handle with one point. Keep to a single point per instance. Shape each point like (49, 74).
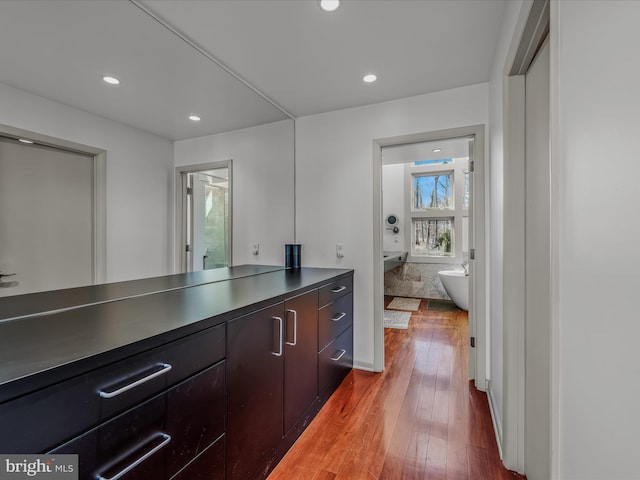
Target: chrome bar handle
(335, 359)
(127, 469)
(279, 354)
(338, 317)
(339, 289)
(295, 328)
(165, 368)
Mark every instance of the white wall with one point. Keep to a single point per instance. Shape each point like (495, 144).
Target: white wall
(334, 175)
(139, 179)
(263, 186)
(596, 170)
(393, 186)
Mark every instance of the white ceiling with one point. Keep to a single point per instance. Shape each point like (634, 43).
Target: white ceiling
(302, 59)
(416, 152)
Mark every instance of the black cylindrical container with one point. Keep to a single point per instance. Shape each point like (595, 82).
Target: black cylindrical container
(293, 255)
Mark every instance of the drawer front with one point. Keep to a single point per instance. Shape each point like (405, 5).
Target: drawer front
(196, 414)
(334, 319)
(38, 421)
(336, 360)
(133, 443)
(157, 438)
(208, 466)
(334, 290)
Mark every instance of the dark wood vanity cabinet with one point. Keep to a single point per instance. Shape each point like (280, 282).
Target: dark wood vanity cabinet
(53, 415)
(254, 390)
(300, 358)
(222, 398)
(161, 435)
(272, 369)
(335, 339)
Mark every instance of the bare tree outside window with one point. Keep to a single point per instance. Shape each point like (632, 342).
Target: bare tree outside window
(433, 191)
(433, 237)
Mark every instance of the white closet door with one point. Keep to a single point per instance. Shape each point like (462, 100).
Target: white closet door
(538, 271)
(46, 218)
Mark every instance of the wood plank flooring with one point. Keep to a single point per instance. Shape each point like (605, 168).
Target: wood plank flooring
(419, 419)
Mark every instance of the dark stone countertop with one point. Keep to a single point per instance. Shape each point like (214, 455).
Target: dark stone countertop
(45, 348)
(43, 302)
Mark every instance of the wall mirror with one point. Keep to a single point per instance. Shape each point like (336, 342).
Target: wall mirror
(56, 52)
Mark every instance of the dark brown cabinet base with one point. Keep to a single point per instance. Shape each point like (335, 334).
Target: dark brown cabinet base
(278, 379)
(300, 359)
(201, 382)
(254, 390)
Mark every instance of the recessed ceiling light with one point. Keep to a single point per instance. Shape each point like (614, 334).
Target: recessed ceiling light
(24, 140)
(436, 150)
(329, 5)
(369, 78)
(194, 118)
(111, 80)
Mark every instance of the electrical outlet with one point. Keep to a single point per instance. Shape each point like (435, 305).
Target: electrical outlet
(340, 250)
(256, 248)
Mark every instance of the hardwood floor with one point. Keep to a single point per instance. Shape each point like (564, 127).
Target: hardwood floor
(419, 419)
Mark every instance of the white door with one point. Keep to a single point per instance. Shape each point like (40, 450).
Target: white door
(46, 218)
(472, 270)
(537, 270)
(208, 219)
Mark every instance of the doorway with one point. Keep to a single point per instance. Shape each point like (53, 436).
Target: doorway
(51, 213)
(473, 137)
(204, 218)
(527, 435)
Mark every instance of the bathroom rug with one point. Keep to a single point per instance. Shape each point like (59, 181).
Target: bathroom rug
(442, 306)
(396, 319)
(401, 303)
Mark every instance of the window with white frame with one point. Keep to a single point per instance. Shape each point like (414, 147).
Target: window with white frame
(438, 209)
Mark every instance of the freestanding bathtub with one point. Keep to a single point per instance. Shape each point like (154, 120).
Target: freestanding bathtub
(456, 284)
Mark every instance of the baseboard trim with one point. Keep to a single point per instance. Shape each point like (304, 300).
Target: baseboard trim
(368, 367)
(495, 419)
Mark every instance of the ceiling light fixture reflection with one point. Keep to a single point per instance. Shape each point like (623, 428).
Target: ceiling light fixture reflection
(329, 5)
(194, 118)
(111, 80)
(370, 78)
(436, 150)
(25, 140)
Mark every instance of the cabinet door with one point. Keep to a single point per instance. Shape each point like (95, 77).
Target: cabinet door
(255, 353)
(300, 357)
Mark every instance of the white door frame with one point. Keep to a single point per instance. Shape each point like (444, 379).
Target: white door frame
(180, 208)
(476, 241)
(531, 28)
(99, 246)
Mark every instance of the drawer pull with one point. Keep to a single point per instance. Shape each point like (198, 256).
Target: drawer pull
(165, 368)
(335, 359)
(279, 353)
(339, 289)
(166, 439)
(295, 328)
(338, 317)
